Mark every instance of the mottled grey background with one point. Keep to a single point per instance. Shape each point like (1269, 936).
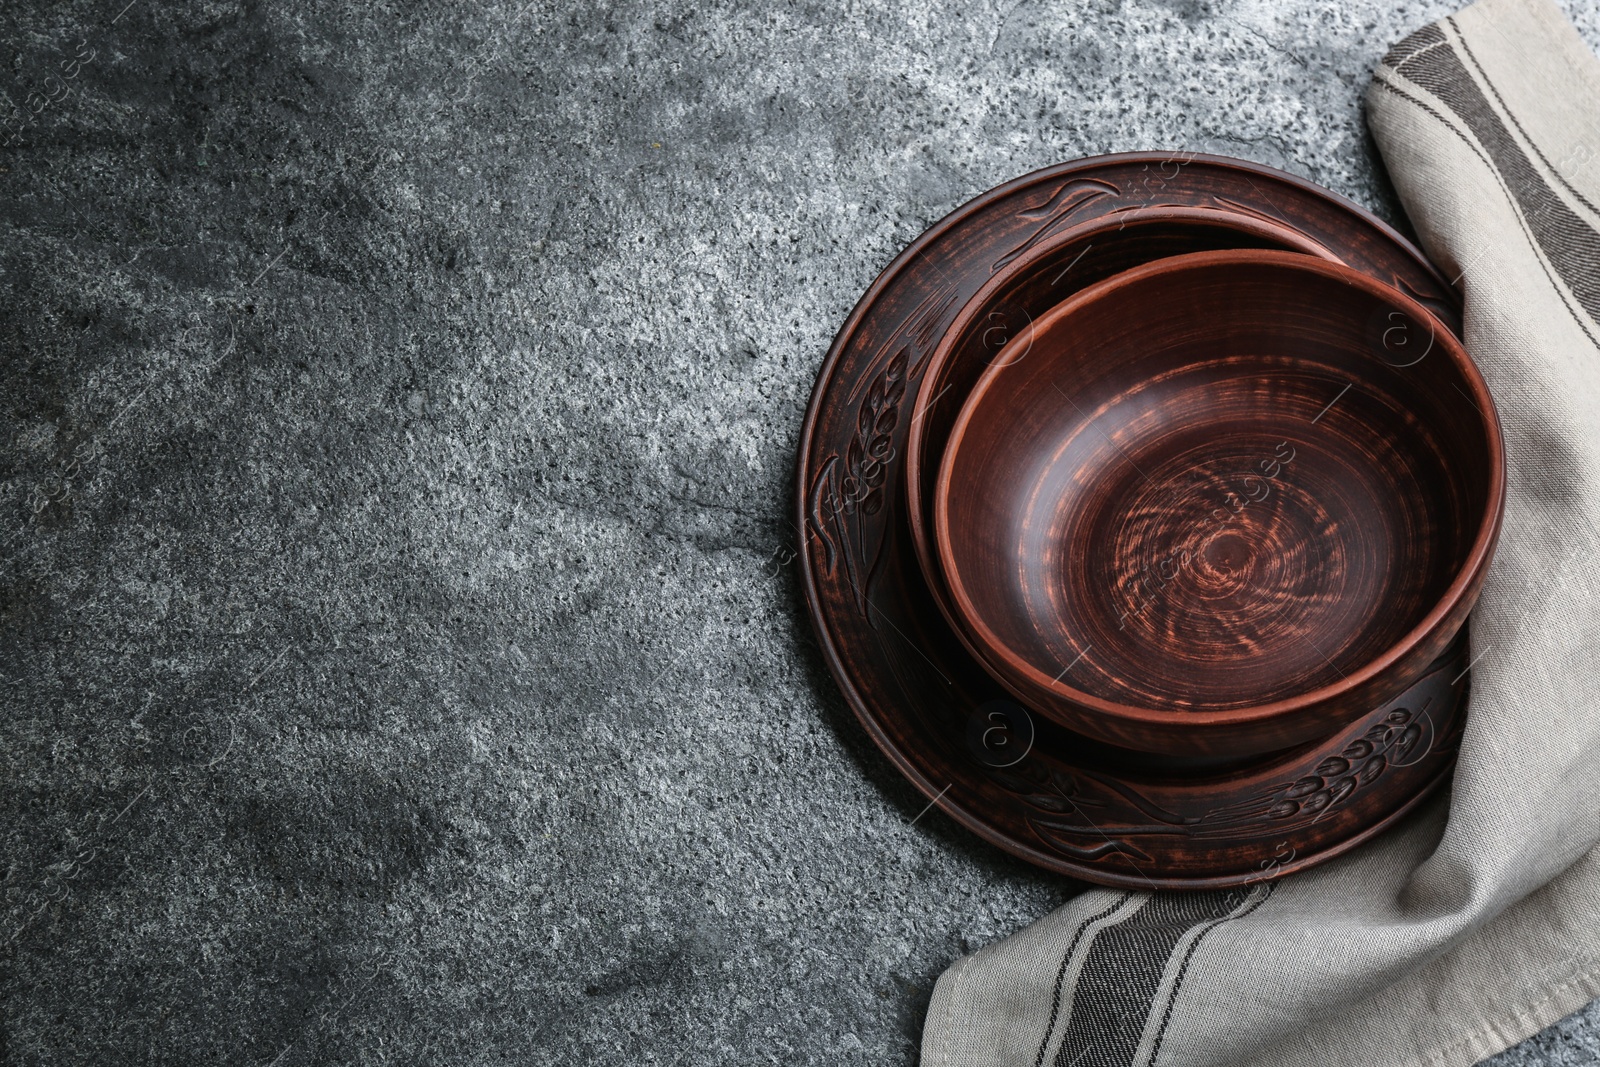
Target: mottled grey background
(401, 650)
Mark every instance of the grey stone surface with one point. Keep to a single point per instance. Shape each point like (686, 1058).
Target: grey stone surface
(401, 654)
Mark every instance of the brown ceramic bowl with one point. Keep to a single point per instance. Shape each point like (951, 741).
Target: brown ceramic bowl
(1223, 503)
(1026, 285)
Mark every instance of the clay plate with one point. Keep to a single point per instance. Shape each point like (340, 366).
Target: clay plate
(1054, 798)
(1201, 506)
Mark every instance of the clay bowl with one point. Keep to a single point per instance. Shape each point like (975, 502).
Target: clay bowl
(1030, 284)
(1220, 504)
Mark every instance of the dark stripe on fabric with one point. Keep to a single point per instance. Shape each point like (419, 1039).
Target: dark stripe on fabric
(1570, 244)
(1577, 315)
(1183, 968)
(1121, 971)
(1430, 36)
(1512, 115)
(1061, 974)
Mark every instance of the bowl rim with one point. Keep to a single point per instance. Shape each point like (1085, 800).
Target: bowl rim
(918, 504)
(1462, 585)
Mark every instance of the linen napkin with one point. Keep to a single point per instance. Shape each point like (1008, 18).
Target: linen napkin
(1476, 922)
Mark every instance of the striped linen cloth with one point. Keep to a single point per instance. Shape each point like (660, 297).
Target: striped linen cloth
(1476, 922)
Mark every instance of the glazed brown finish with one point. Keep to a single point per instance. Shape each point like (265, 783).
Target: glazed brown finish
(1214, 505)
(1068, 804)
(1028, 285)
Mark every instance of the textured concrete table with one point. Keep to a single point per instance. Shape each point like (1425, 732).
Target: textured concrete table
(401, 649)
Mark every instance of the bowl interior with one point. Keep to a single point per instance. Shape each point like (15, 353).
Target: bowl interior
(1213, 483)
(1030, 286)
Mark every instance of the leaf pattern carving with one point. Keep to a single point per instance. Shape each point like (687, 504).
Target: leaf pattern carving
(1053, 212)
(848, 491)
(1399, 737)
